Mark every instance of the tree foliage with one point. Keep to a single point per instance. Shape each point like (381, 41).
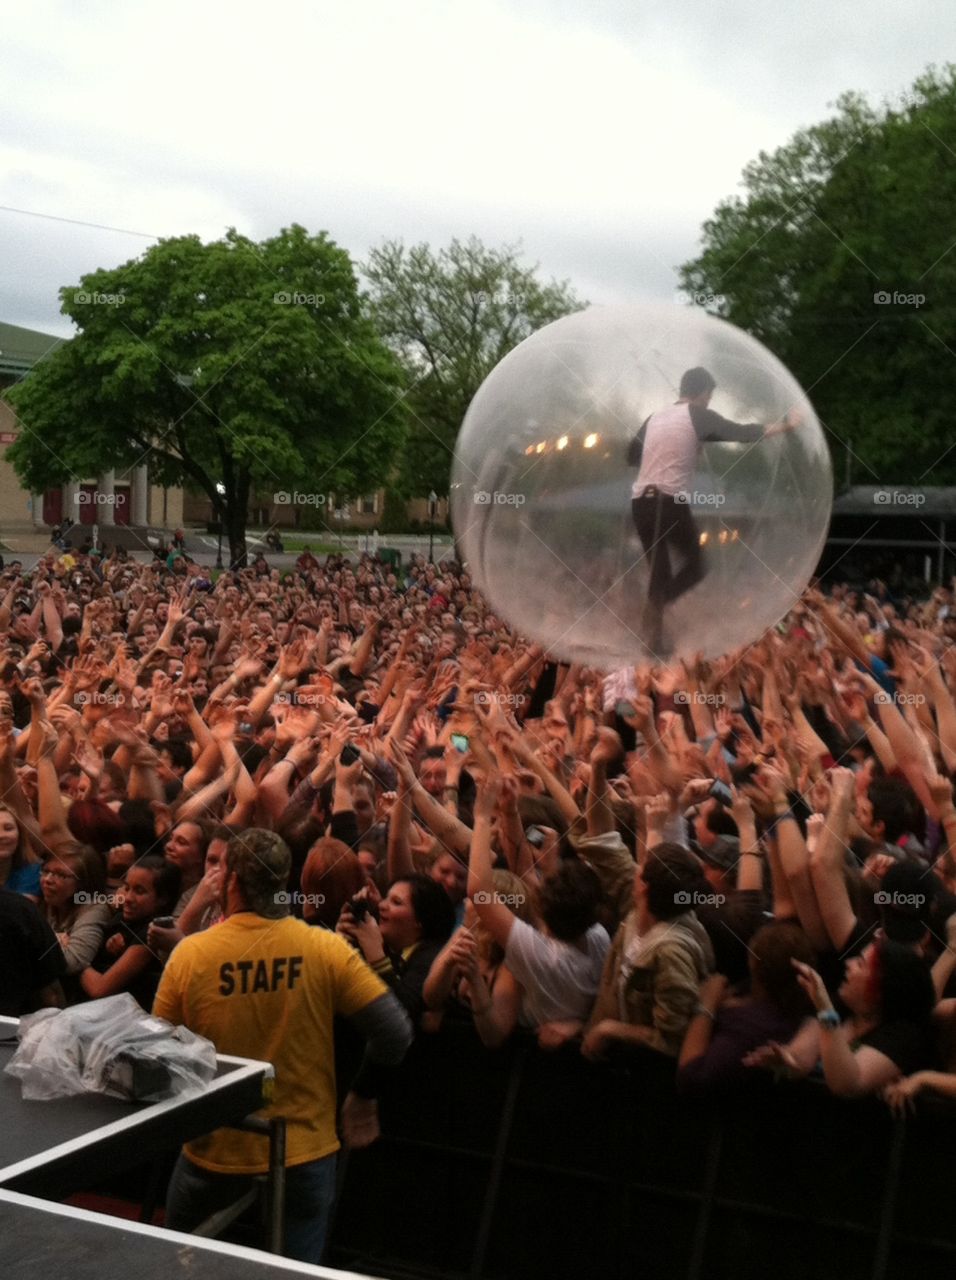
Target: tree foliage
(451, 315)
(839, 256)
(228, 367)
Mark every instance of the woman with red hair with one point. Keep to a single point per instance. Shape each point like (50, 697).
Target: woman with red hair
(331, 877)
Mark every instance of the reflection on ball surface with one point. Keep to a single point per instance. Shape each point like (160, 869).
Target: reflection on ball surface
(724, 533)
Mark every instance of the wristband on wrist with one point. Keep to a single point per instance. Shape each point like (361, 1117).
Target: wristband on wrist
(703, 1011)
(828, 1019)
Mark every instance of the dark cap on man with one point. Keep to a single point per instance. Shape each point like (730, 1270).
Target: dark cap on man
(723, 854)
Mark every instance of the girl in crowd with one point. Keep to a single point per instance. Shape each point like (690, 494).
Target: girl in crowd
(470, 977)
(415, 920)
(889, 994)
(75, 903)
(126, 962)
(19, 865)
(331, 877)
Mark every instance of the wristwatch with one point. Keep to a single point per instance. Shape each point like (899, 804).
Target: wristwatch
(829, 1019)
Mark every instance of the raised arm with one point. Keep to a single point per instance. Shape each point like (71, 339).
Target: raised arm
(400, 862)
(794, 859)
(827, 862)
(600, 819)
(555, 788)
(493, 914)
(945, 710)
(444, 825)
(848, 1074)
(750, 865)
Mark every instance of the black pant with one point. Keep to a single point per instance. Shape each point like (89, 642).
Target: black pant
(665, 526)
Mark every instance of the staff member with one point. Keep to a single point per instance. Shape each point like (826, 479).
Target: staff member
(263, 985)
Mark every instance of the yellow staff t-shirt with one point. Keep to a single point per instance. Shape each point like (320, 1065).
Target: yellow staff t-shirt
(269, 989)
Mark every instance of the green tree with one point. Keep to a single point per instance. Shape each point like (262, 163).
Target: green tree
(839, 257)
(227, 367)
(451, 315)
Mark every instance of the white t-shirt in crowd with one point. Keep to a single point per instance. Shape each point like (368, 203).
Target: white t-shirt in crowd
(559, 981)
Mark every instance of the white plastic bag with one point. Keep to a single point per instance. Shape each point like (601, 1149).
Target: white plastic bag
(109, 1046)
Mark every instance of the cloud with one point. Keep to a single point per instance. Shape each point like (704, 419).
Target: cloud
(600, 134)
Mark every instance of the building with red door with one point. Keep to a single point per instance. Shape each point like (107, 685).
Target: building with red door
(106, 500)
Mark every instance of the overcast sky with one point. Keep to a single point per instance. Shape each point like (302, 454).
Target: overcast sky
(599, 133)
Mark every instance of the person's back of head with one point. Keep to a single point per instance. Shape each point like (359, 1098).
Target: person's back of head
(892, 801)
(139, 825)
(773, 948)
(331, 875)
(94, 823)
(261, 862)
(696, 382)
(569, 900)
(905, 901)
(905, 986)
(672, 875)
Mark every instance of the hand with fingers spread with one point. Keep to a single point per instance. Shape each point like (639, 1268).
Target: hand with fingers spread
(723, 723)
(90, 760)
(403, 766)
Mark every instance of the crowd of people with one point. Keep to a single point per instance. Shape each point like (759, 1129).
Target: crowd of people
(746, 865)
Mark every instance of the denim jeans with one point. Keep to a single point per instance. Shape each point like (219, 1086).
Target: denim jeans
(195, 1193)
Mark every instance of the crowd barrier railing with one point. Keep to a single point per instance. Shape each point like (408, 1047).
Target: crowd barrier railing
(519, 1164)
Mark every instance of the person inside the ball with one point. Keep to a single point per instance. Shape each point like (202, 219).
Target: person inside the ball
(665, 451)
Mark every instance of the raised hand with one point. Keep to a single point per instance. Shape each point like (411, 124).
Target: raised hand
(489, 793)
(607, 748)
(941, 791)
(813, 985)
(89, 759)
(183, 704)
(403, 765)
(657, 809)
(741, 810)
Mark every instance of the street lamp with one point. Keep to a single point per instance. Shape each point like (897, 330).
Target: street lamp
(432, 508)
(221, 490)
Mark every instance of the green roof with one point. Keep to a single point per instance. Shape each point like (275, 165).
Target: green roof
(21, 349)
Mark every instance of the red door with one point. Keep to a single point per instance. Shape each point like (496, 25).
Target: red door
(53, 506)
(121, 505)
(87, 503)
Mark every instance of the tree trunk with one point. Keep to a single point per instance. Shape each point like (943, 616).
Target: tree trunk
(237, 507)
(235, 528)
